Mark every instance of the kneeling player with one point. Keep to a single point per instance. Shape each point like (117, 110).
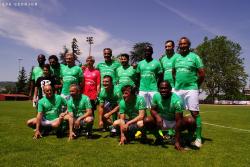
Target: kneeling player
(167, 113)
(132, 112)
(49, 112)
(79, 112)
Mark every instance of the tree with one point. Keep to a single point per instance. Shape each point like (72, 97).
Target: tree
(75, 49)
(21, 84)
(137, 54)
(62, 54)
(225, 72)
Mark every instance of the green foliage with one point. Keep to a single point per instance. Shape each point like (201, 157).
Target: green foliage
(222, 146)
(21, 84)
(62, 54)
(137, 54)
(75, 49)
(225, 72)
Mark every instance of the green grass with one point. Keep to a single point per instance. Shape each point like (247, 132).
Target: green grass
(222, 146)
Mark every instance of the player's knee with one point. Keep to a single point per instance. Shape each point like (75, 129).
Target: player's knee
(140, 123)
(89, 119)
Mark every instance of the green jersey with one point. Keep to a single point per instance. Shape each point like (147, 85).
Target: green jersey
(57, 71)
(109, 69)
(113, 96)
(167, 65)
(167, 107)
(36, 73)
(51, 108)
(70, 75)
(148, 74)
(79, 106)
(126, 76)
(186, 71)
(131, 109)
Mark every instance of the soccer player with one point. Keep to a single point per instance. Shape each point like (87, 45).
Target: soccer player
(46, 79)
(109, 98)
(91, 83)
(126, 74)
(36, 73)
(71, 74)
(167, 113)
(132, 112)
(167, 61)
(188, 74)
(150, 73)
(79, 108)
(109, 66)
(56, 68)
(49, 113)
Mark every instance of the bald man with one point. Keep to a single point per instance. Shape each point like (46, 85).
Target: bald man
(49, 113)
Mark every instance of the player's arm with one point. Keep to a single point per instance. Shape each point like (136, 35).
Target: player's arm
(35, 95)
(156, 116)
(178, 120)
(98, 83)
(201, 76)
(100, 112)
(122, 122)
(38, 123)
(115, 110)
(138, 118)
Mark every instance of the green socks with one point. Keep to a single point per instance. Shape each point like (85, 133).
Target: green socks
(198, 126)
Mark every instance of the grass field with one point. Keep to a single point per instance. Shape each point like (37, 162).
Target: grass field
(226, 132)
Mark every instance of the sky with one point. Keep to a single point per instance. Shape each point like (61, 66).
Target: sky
(45, 26)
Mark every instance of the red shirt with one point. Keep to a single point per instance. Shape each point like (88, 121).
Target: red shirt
(92, 78)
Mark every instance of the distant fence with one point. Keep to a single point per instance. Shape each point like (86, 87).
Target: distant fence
(232, 102)
(13, 97)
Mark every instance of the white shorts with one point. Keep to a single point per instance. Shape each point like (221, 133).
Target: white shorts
(46, 122)
(167, 124)
(148, 96)
(190, 99)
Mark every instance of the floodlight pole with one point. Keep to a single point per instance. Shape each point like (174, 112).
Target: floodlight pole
(90, 41)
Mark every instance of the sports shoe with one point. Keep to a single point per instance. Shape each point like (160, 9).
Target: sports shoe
(197, 143)
(138, 134)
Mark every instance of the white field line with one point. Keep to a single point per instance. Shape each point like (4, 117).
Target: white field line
(221, 126)
(228, 127)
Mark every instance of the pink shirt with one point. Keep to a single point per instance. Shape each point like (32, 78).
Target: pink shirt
(91, 80)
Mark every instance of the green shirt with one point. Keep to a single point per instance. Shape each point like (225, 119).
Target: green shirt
(36, 73)
(148, 74)
(126, 76)
(51, 108)
(167, 107)
(186, 71)
(79, 106)
(167, 65)
(131, 109)
(108, 69)
(57, 71)
(70, 75)
(113, 96)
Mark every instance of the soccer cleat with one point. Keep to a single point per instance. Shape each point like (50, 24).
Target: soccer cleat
(138, 134)
(197, 143)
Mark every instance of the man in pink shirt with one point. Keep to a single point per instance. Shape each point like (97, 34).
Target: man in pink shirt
(91, 81)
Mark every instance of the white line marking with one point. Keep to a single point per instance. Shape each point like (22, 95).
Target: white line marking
(228, 127)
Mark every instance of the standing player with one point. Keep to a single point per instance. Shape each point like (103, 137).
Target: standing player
(188, 74)
(126, 74)
(49, 112)
(150, 72)
(132, 112)
(167, 113)
(109, 98)
(56, 69)
(109, 66)
(167, 61)
(79, 108)
(91, 83)
(46, 79)
(36, 73)
(71, 74)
